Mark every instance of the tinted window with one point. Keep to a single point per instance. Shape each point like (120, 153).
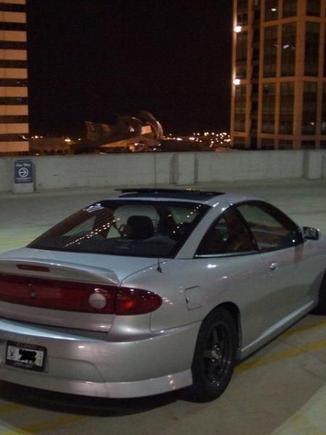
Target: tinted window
(140, 229)
(289, 8)
(12, 137)
(7, 63)
(309, 114)
(14, 45)
(268, 116)
(12, 26)
(313, 7)
(12, 7)
(270, 51)
(227, 235)
(13, 82)
(288, 47)
(312, 49)
(286, 108)
(241, 55)
(240, 108)
(242, 12)
(271, 10)
(271, 228)
(11, 119)
(13, 100)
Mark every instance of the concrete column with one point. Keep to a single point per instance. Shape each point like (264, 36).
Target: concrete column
(313, 165)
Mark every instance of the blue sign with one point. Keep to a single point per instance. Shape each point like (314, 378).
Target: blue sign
(23, 171)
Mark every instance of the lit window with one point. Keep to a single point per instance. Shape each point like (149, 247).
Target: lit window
(309, 108)
(271, 10)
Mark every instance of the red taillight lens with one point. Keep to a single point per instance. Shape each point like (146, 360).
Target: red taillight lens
(134, 301)
(74, 296)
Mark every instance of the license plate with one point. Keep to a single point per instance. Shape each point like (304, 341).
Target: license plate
(26, 356)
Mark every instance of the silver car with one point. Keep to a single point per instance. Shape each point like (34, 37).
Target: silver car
(155, 290)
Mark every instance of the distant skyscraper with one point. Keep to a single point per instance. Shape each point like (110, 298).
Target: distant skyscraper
(279, 74)
(13, 76)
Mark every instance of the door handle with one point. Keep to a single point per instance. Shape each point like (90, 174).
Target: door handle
(273, 266)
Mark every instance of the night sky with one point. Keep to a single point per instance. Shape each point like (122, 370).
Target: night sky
(95, 59)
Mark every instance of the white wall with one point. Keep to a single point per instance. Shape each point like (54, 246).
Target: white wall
(60, 172)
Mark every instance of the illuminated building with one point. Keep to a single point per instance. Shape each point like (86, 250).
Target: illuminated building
(279, 74)
(13, 76)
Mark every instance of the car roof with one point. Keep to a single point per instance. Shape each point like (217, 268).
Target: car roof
(176, 194)
(188, 195)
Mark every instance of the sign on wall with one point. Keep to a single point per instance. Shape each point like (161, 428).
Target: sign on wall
(23, 171)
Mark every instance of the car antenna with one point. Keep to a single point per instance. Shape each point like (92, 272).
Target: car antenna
(159, 268)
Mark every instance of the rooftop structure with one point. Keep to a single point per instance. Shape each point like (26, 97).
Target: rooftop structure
(13, 77)
(279, 74)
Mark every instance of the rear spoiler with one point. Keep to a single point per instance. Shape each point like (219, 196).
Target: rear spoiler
(59, 271)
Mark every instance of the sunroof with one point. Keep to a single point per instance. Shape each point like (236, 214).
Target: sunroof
(198, 195)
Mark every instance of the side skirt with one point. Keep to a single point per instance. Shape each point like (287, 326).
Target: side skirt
(276, 329)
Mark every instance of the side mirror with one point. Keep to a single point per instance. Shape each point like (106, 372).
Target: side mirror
(310, 233)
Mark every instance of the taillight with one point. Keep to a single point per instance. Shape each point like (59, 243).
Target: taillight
(74, 296)
(135, 301)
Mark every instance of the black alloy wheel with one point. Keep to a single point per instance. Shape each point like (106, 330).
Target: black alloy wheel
(215, 356)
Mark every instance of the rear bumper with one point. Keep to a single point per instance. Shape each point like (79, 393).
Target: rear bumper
(86, 366)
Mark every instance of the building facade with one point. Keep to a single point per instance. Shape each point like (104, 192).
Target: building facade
(13, 77)
(279, 74)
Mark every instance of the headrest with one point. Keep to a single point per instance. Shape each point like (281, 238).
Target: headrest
(140, 227)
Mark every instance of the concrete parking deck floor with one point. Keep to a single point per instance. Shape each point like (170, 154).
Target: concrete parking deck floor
(280, 390)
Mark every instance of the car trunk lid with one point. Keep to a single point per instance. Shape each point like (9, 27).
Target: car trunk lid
(30, 280)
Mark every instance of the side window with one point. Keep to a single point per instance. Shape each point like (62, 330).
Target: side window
(271, 228)
(227, 235)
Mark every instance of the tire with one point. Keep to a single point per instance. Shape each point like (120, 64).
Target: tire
(321, 307)
(214, 356)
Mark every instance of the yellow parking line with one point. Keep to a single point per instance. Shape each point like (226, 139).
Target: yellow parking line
(65, 420)
(45, 425)
(10, 407)
(308, 420)
(300, 424)
(291, 353)
(320, 325)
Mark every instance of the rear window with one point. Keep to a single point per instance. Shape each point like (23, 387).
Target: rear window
(130, 228)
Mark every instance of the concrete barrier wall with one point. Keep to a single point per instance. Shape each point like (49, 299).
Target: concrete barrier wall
(248, 165)
(61, 172)
(101, 170)
(6, 174)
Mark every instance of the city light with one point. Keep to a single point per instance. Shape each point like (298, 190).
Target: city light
(237, 29)
(205, 141)
(236, 82)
